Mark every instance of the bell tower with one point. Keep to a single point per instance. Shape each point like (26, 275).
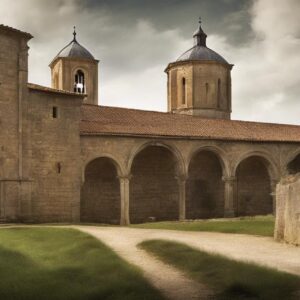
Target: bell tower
(75, 69)
(199, 81)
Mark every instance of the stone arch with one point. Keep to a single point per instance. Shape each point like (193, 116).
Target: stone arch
(100, 193)
(181, 167)
(255, 173)
(220, 153)
(292, 165)
(86, 75)
(269, 161)
(205, 185)
(120, 168)
(154, 192)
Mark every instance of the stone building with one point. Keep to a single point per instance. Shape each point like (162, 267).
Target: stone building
(63, 158)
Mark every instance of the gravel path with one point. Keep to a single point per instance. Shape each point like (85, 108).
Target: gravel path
(173, 283)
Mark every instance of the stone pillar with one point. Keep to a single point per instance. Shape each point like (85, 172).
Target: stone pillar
(273, 194)
(229, 195)
(124, 193)
(181, 179)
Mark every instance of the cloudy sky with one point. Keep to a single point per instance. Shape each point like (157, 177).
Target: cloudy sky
(136, 39)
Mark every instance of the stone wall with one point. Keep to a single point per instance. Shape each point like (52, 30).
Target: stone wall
(253, 188)
(55, 164)
(287, 227)
(15, 185)
(204, 187)
(100, 194)
(153, 187)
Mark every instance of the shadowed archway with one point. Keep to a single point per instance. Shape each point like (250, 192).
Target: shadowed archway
(100, 193)
(153, 186)
(253, 187)
(205, 187)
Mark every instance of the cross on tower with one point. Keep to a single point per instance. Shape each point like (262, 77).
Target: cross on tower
(74, 32)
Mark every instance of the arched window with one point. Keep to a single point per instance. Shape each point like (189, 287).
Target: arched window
(79, 84)
(219, 93)
(183, 91)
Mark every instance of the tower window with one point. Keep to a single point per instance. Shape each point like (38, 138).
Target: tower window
(206, 91)
(183, 99)
(58, 167)
(79, 84)
(54, 112)
(219, 93)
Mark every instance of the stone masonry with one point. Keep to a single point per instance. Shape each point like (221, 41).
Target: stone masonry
(65, 159)
(288, 210)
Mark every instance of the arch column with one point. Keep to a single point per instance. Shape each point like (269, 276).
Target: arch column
(229, 195)
(124, 193)
(181, 179)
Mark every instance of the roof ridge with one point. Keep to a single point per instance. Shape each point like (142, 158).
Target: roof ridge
(192, 116)
(53, 90)
(127, 108)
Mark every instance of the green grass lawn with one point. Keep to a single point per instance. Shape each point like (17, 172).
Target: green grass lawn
(54, 263)
(260, 225)
(231, 280)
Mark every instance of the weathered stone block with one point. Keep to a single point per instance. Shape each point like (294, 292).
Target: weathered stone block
(287, 226)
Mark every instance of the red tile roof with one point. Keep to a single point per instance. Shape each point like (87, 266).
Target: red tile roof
(33, 86)
(102, 120)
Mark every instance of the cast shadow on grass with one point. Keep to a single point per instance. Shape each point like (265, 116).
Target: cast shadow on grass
(65, 264)
(22, 278)
(229, 279)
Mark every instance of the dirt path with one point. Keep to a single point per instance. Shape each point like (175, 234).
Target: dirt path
(170, 281)
(173, 283)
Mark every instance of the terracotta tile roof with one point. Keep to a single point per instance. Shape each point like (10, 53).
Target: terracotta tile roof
(101, 120)
(41, 88)
(11, 29)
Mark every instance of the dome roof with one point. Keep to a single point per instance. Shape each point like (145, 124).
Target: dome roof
(75, 50)
(200, 51)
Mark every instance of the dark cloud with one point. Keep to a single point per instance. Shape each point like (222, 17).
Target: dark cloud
(230, 18)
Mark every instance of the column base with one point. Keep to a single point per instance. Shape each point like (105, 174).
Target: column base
(229, 214)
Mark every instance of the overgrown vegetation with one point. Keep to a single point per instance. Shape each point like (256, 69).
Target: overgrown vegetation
(54, 263)
(260, 225)
(228, 278)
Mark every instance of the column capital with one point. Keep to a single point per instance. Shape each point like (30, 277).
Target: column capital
(229, 178)
(125, 177)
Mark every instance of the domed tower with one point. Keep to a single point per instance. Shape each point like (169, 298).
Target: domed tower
(75, 69)
(199, 82)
